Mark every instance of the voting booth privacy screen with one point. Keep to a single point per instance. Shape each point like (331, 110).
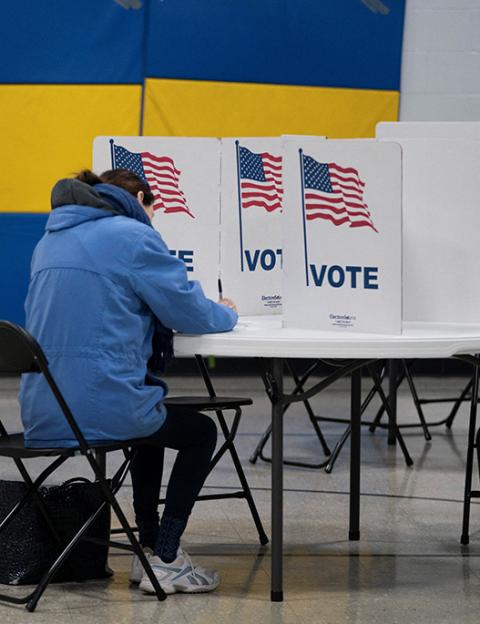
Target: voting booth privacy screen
(184, 176)
(349, 235)
(342, 235)
(441, 219)
(251, 223)
(311, 221)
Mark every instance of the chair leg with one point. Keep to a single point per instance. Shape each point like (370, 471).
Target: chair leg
(477, 447)
(243, 481)
(110, 497)
(261, 444)
(44, 511)
(346, 434)
(377, 419)
(299, 387)
(396, 430)
(228, 445)
(31, 490)
(229, 438)
(418, 406)
(233, 452)
(318, 431)
(31, 599)
(299, 383)
(337, 450)
(464, 539)
(456, 405)
(47, 577)
(373, 390)
(38, 501)
(329, 464)
(377, 381)
(381, 410)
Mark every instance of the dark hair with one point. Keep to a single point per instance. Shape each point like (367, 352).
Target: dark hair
(124, 178)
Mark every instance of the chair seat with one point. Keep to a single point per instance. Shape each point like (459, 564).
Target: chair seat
(207, 403)
(13, 445)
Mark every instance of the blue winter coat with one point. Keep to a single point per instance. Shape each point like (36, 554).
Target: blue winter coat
(98, 280)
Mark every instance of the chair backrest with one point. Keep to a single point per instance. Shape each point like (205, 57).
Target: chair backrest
(21, 353)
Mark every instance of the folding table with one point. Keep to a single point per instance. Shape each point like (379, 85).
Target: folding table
(264, 337)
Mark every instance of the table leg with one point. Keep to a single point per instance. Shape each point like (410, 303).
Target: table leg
(470, 458)
(355, 412)
(277, 481)
(392, 400)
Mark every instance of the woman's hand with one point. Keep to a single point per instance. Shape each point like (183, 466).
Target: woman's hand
(229, 303)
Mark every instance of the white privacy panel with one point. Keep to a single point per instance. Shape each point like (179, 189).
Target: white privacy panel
(184, 175)
(342, 235)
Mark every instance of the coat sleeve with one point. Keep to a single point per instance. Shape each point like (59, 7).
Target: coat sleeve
(161, 281)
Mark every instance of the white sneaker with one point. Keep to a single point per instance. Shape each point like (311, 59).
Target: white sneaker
(136, 572)
(180, 576)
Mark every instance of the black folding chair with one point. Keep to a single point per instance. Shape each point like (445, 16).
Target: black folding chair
(20, 353)
(332, 456)
(300, 381)
(219, 405)
(447, 420)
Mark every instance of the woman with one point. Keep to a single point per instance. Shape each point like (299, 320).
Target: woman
(101, 279)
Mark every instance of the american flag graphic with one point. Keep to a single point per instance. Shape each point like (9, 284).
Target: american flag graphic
(260, 180)
(161, 175)
(334, 193)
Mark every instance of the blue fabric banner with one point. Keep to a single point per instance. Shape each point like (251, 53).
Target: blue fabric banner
(68, 42)
(19, 233)
(352, 43)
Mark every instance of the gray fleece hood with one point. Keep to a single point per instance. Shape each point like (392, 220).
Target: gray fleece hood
(68, 191)
(74, 202)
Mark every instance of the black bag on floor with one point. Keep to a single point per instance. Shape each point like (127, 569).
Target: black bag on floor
(27, 546)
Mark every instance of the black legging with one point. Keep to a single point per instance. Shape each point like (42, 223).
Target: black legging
(194, 436)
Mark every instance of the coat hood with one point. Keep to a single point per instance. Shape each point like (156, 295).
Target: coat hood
(74, 202)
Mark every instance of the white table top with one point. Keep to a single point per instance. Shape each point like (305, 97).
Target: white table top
(264, 336)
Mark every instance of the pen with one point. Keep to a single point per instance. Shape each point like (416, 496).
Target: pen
(220, 289)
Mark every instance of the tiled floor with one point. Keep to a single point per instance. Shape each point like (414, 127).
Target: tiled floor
(408, 566)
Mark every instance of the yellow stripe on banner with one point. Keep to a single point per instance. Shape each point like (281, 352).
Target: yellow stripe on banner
(46, 133)
(198, 108)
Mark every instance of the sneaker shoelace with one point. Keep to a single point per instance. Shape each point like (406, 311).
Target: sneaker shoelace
(196, 575)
